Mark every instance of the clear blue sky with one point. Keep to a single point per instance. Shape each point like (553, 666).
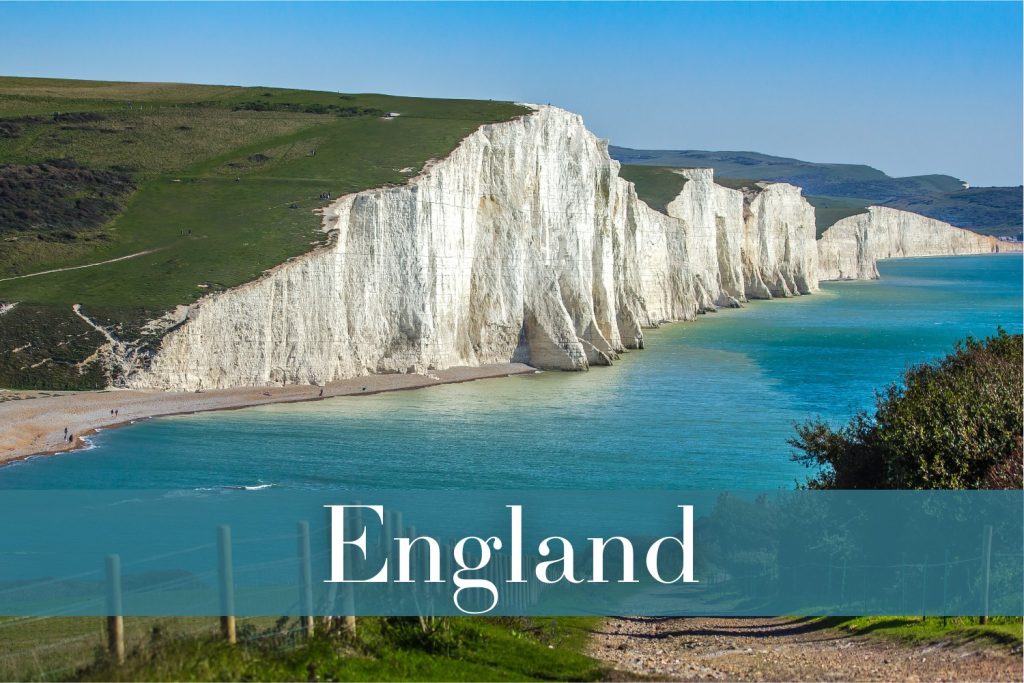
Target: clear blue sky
(910, 88)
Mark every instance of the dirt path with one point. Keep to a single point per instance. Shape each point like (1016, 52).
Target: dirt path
(87, 265)
(783, 649)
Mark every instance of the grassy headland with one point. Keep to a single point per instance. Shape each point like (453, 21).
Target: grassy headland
(659, 185)
(830, 210)
(656, 186)
(202, 188)
(841, 190)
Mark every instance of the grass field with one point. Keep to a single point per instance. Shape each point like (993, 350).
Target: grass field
(656, 186)
(735, 183)
(227, 183)
(185, 649)
(466, 648)
(956, 630)
(829, 210)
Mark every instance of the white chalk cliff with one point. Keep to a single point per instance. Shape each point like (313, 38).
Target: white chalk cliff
(780, 257)
(850, 249)
(523, 244)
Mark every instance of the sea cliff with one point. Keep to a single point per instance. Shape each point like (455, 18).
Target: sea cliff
(523, 245)
(850, 249)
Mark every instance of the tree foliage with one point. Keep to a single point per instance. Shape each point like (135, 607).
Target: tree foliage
(954, 423)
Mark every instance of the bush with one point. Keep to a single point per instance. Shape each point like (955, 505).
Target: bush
(59, 197)
(309, 108)
(955, 423)
(79, 116)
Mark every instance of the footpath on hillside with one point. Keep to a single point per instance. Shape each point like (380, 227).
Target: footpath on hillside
(784, 649)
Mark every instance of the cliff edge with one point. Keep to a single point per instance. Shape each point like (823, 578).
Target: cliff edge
(523, 245)
(850, 249)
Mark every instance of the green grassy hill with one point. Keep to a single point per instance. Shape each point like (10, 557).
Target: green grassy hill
(656, 186)
(182, 190)
(841, 190)
(829, 210)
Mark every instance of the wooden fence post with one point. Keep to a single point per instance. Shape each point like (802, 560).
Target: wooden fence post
(447, 571)
(945, 586)
(227, 585)
(115, 610)
(903, 583)
(535, 592)
(331, 594)
(348, 598)
(388, 530)
(305, 580)
(986, 563)
(828, 591)
(842, 590)
(924, 588)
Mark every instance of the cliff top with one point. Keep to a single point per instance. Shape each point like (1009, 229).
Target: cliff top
(656, 186)
(132, 198)
(840, 190)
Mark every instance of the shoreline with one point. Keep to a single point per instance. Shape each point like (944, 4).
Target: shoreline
(23, 412)
(34, 426)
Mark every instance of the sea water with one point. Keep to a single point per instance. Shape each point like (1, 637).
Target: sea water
(707, 405)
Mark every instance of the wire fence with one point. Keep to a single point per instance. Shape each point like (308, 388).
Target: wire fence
(55, 646)
(63, 642)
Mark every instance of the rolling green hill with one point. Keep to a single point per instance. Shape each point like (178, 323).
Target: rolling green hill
(175, 191)
(840, 190)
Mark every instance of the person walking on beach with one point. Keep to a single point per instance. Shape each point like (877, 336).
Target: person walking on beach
(321, 392)
(65, 433)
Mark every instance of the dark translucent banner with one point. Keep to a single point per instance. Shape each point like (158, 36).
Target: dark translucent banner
(286, 552)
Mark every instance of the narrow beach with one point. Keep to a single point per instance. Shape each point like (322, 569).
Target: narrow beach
(33, 424)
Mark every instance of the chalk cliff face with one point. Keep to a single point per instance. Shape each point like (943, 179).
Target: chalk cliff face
(754, 244)
(850, 249)
(712, 219)
(523, 244)
(780, 257)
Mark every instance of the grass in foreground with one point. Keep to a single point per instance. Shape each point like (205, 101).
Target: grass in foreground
(955, 630)
(468, 648)
(483, 649)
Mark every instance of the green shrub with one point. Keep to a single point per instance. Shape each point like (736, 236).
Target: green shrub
(954, 423)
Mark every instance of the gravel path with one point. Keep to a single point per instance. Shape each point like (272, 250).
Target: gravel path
(783, 649)
(87, 265)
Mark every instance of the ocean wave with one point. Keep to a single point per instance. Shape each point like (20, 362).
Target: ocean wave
(89, 445)
(235, 487)
(257, 487)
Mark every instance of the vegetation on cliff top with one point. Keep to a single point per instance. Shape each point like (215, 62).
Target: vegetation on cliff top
(656, 186)
(954, 423)
(841, 190)
(202, 187)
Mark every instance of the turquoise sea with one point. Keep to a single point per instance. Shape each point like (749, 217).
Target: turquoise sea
(708, 404)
